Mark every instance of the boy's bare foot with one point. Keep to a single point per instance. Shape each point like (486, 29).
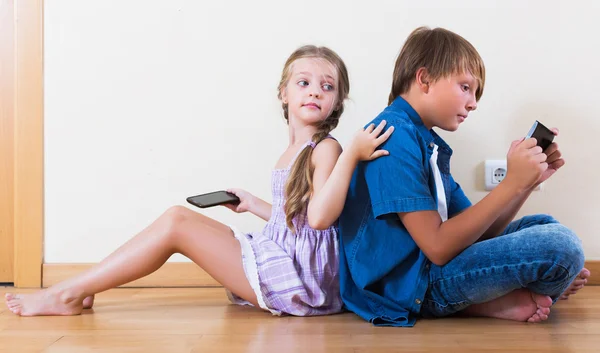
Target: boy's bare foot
(44, 302)
(579, 282)
(518, 305)
(88, 302)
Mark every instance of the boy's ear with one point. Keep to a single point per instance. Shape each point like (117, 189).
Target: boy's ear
(422, 80)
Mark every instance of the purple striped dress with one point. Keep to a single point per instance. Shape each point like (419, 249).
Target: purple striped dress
(295, 274)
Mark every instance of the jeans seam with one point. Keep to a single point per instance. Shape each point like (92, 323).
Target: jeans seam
(493, 267)
(460, 302)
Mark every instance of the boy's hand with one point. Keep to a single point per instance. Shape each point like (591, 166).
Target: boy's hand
(554, 160)
(525, 163)
(365, 142)
(246, 201)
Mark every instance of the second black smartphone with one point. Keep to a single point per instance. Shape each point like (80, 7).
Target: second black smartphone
(542, 134)
(213, 199)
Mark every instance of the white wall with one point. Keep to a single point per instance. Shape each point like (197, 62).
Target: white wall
(148, 102)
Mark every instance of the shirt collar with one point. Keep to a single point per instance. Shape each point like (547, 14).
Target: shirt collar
(401, 104)
(428, 135)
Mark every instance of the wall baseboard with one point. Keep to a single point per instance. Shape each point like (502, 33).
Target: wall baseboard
(188, 274)
(171, 274)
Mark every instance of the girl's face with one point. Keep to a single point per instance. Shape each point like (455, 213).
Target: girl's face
(311, 91)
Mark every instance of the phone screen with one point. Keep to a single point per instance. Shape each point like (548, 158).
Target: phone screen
(213, 199)
(542, 134)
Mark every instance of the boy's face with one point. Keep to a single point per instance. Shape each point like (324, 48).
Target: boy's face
(450, 100)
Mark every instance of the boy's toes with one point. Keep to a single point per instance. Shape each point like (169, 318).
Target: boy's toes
(585, 273)
(543, 311)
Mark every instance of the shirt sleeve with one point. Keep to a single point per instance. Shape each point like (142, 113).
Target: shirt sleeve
(399, 182)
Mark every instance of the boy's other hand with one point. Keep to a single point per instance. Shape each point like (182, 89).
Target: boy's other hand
(526, 164)
(554, 160)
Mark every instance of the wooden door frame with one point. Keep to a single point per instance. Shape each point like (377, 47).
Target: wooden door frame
(7, 98)
(25, 21)
(29, 142)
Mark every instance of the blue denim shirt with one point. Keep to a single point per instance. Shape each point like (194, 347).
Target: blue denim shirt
(383, 273)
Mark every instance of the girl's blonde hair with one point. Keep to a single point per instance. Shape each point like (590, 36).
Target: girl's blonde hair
(442, 53)
(299, 186)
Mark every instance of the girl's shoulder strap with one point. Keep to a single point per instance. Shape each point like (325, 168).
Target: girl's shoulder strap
(330, 137)
(313, 145)
(307, 143)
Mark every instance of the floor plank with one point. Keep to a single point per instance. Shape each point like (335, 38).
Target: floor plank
(202, 320)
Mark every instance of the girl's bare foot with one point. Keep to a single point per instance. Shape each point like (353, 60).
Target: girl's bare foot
(44, 302)
(518, 305)
(579, 282)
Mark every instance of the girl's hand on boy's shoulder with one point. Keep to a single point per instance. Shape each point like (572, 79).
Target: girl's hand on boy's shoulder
(365, 142)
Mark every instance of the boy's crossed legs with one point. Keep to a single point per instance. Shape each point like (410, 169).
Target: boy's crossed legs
(516, 276)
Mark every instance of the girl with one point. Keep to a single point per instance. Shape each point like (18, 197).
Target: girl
(291, 266)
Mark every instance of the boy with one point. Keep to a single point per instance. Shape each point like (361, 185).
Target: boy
(412, 245)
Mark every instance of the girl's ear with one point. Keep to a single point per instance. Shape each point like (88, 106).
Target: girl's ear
(337, 105)
(422, 80)
(284, 98)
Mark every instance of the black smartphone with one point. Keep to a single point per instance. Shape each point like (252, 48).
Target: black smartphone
(213, 199)
(542, 134)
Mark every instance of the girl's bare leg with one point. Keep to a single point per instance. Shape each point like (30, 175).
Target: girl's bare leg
(208, 243)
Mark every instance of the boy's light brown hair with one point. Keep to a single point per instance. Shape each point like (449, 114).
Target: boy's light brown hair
(442, 53)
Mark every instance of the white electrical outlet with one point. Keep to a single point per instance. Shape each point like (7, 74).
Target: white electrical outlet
(495, 172)
(498, 175)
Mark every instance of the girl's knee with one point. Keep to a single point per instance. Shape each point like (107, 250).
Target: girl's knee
(176, 222)
(175, 214)
(172, 218)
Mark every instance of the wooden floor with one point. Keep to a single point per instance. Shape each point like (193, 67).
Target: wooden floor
(201, 320)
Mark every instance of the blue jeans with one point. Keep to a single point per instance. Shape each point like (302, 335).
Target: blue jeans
(535, 252)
